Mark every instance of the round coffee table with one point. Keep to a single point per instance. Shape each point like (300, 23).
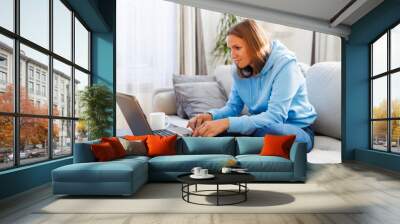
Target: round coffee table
(238, 179)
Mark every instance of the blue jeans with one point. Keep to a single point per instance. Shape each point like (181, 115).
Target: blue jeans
(302, 134)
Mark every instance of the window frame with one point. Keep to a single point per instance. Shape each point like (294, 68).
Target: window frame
(388, 74)
(16, 114)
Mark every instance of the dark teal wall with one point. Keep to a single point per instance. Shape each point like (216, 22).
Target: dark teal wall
(103, 63)
(356, 84)
(24, 178)
(104, 52)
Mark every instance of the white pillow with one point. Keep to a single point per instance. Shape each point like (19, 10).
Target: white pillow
(324, 92)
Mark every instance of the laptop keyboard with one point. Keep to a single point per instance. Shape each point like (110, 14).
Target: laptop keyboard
(163, 132)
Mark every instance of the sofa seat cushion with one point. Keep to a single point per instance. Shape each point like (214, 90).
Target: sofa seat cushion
(185, 163)
(257, 163)
(112, 171)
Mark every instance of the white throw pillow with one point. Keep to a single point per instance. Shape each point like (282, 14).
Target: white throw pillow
(324, 92)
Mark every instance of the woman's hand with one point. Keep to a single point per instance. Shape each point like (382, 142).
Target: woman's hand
(211, 128)
(198, 120)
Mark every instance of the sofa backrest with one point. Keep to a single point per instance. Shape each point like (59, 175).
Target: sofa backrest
(83, 152)
(206, 145)
(249, 145)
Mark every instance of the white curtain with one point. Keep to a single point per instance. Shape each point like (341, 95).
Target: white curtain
(146, 48)
(325, 48)
(191, 58)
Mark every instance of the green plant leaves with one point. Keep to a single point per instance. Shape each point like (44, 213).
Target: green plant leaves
(97, 104)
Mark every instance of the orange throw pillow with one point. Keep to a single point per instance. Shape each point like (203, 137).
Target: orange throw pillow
(136, 137)
(277, 145)
(161, 145)
(116, 145)
(103, 151)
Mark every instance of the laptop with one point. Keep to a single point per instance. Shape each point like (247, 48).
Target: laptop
(137, 120)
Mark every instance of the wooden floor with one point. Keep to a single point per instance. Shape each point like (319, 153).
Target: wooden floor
(378, 188)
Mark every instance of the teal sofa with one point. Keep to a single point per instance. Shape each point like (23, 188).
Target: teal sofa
(125, 176)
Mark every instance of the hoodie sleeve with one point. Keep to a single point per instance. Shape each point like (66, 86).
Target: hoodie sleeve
(232, 108)
(284, 88)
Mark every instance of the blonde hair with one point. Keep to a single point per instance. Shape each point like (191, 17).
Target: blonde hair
(257, 42)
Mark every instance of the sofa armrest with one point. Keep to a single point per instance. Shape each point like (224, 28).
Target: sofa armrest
(298, 155)
(164, 101)
(83, 152)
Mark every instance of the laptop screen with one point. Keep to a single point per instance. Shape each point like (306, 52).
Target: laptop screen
(133, 114)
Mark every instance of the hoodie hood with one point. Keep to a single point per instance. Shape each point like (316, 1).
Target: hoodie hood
(278, 57)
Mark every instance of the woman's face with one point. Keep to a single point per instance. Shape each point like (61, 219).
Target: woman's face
(239, 51)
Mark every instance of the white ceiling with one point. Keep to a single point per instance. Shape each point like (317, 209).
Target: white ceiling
(321, 9)
(318, 15)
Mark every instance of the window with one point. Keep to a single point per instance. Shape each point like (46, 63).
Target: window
(6, 142)
(81, 45)
(45, 131)
(30, 72)
(37, 74)
(44, 91)
(3, 61)
(38, 89)
(35, 21)
(62, 31)
(6, 73)
(7, 14)
(62, 137)
(62, 74)
(385, 94)
(3, 78)
(81, 81)
(30, 88)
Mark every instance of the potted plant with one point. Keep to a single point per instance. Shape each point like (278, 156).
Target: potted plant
(96, 102)
(221, 50)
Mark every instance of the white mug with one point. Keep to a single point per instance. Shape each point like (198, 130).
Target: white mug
(196, 170)
(226, 170)
(158, 120)
(203, 172)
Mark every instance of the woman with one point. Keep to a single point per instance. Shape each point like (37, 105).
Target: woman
(268, 81)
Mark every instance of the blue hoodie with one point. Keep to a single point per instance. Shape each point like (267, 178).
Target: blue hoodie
(278, 94)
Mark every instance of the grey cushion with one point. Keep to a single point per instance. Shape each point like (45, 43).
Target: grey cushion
(199, 97)
(223, 75)
(179, 79)
(137, 148)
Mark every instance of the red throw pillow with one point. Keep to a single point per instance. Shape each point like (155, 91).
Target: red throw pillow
(103, 152)
(116, 145)
(161, 145)
(277, 145)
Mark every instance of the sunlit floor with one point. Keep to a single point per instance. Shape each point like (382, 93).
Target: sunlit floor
(378, 189)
